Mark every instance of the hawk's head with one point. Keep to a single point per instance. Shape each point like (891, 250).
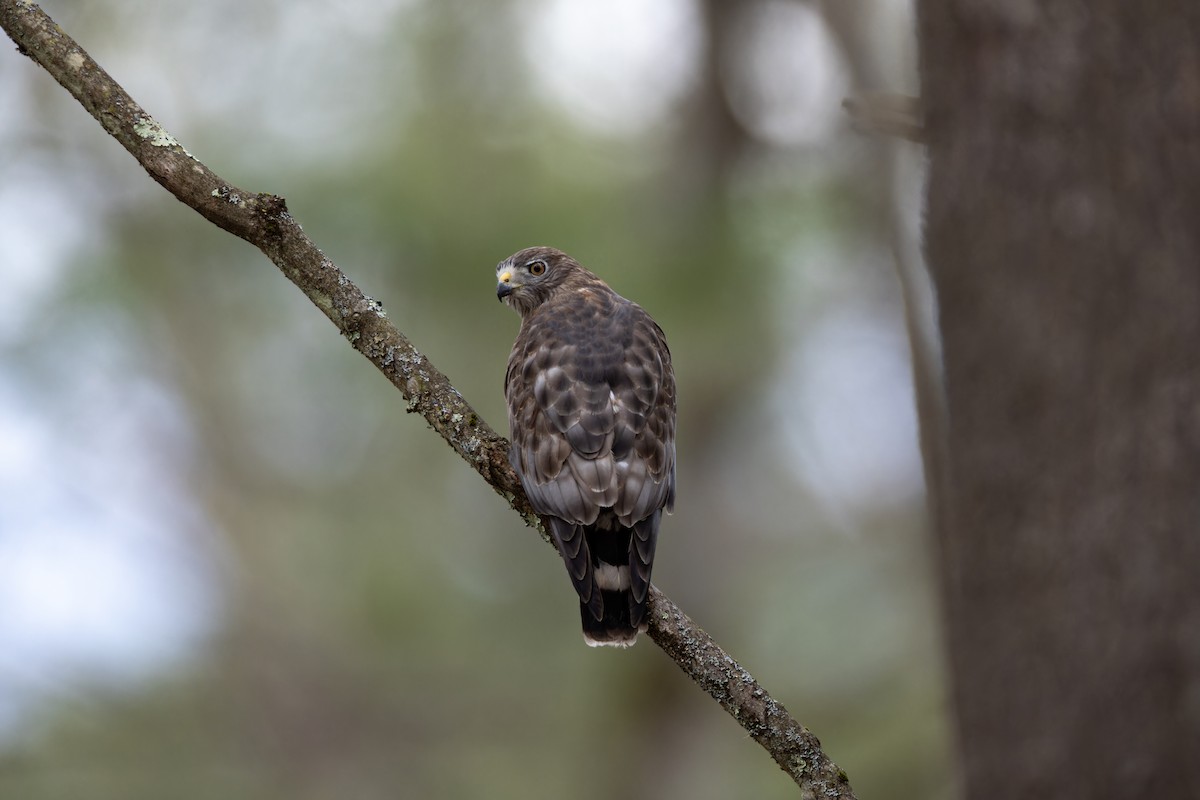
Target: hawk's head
(527, 278)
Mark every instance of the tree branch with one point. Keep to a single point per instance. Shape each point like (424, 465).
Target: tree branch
(263, 221)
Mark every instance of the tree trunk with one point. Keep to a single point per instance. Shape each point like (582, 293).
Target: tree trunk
(1063, 234)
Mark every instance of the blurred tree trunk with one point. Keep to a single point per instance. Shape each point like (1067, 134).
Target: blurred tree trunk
(1063, 233)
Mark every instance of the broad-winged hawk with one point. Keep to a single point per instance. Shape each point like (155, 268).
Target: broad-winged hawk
(591, 414)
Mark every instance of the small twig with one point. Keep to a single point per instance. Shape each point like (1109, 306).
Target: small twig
(887, 114)
(263, 221)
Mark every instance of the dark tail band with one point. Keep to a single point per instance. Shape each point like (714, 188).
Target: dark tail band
(615, 628)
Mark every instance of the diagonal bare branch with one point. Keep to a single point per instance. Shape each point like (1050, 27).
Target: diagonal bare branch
(263, 221)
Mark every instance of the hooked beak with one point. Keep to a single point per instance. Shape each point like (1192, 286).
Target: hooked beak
(505, 287)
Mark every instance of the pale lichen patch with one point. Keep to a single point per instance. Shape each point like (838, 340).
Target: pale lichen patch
(226, 194)
(149, 129)
(75, 60)
(156, 135)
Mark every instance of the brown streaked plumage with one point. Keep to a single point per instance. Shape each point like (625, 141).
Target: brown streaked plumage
(591, 414)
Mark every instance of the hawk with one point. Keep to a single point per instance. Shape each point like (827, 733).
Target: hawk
(591, 415)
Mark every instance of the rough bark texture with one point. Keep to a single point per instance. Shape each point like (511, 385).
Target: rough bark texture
(794, 748)
(1063, 233)
(263, 220)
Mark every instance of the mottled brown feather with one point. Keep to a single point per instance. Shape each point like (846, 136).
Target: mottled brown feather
(591, 408)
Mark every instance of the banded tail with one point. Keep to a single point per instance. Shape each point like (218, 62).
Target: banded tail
(609, 565)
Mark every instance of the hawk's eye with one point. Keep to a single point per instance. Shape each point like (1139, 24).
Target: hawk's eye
(537, 267)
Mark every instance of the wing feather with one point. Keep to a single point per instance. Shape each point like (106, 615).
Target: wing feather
(572, 545)
(641, 558)
(591, 401)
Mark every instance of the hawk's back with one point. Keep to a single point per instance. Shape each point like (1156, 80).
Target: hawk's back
(591, 402)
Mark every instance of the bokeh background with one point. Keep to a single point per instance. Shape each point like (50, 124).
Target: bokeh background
(232, 566)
